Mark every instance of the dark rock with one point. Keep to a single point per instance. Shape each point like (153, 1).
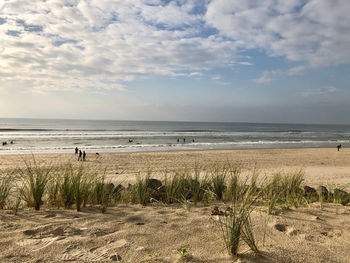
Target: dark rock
(157, 189)
(117, 190)
(154, 184)
(323, 192)
(310, 193)
(159, 194)
(341, 196)
(108, 188)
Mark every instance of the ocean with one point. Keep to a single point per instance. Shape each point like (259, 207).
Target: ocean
(62, 136)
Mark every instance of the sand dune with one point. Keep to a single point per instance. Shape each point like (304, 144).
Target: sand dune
(152, 234)
(132, 233)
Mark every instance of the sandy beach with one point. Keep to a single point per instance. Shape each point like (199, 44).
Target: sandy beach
(324, 166)
(133, 233)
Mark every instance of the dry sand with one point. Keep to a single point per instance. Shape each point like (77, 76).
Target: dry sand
(153, 233)
(320, 165)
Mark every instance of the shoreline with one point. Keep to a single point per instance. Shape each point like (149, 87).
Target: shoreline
(172, 150)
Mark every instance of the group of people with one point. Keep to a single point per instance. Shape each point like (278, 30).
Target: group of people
(5, 143)
(81, 154)
(184, 139)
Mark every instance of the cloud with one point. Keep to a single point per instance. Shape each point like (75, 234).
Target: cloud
(55, 45)
(311, 31)
(299, 70)
(216, 77)
(263, 80)
(245, 63)
(195, 74)
(268, 76)
(319, 92)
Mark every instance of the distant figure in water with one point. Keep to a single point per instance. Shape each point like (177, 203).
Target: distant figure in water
(184, 140)
(76, 150)
(338, 147)
(11, 142)
(192, 140)
(4, 143)
(130, 140)
(84, 155)
(178, 140)
(79, 156)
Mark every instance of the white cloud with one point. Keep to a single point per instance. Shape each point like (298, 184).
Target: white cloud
(195, 74)
(245, 63)
(312, 31)
(263, 79)
(55, 45)
(216, 77)
(268, 76)
(299, 70)
(318, 92)
(78, 44)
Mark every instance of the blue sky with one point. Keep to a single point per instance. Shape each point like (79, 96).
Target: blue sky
(210, 60)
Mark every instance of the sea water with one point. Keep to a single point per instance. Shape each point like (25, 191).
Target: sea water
(62, 136)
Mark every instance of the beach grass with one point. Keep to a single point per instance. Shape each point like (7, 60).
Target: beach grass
(35, 179)
(235, 223)
(6, 184)
(69, 185)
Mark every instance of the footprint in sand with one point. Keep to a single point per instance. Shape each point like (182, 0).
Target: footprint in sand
(280, 227)
(35, 244)
(291, 231)
(94, 254)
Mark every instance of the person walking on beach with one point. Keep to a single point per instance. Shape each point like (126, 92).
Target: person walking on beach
(84, 155)
(338, 147)
(76, 150)
(79, 156)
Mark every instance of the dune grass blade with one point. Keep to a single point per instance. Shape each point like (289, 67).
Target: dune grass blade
(101, 194)
(284, 190)
(53, 189)
(66, 187)
(235, 224)
(141, 192)
(218, 181)
(35, 180)
(77, 183)
(5, 188)
(176, 187)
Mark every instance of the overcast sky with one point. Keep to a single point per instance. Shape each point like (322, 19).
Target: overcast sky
(194, 60)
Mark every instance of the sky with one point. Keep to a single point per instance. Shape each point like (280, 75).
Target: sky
(181, 60)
